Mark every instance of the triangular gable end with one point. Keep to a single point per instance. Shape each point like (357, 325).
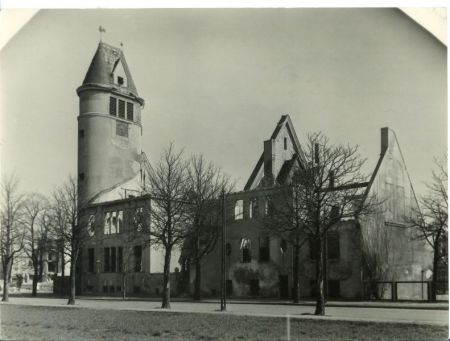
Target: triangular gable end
(390, 182)
(282, 147)
(119, 75)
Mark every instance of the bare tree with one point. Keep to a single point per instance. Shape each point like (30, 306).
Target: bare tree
(70, 226)
(431, 221)
(35, 240)
(12, 231)
(170, 219)
(206, 182)
(326, 189)
(58, 226)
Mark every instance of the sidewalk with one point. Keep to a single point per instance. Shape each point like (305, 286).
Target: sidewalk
(442, 305)
(304, 310)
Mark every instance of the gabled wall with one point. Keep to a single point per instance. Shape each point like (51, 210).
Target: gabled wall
(392, 196)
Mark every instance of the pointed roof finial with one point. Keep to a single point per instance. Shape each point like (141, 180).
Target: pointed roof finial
(101, 29)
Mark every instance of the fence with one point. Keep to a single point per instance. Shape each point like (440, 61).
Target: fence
(402, 290)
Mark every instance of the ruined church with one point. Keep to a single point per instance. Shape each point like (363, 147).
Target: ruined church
(112, 168)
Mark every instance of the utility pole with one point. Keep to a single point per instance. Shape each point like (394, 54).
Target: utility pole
(223, 302)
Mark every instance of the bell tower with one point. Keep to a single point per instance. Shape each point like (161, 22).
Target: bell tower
(109, 124)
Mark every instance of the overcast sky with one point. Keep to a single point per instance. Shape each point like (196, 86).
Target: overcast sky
(217, 81)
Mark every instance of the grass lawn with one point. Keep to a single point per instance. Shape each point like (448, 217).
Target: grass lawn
(71, 323)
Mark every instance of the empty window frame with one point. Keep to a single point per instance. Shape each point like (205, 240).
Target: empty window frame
(283, 246)
(239, 210)
(120, 259)
(137, 258)
(106, 264)
(254, 287)
(229, 287)
(130, 113)
(139, 219)
(121, 108)
(113, 259)
(113, 106)
(91, 260)
(107, 227)
(267, 206)
(119, 216)
(113, 222)
(246, 251)
(122, 129)
(253, 208)
(333, 249)
(91, 225)
(264, 249)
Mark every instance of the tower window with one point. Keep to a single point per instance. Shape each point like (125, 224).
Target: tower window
(120, 80)
(122, 129)
(81, 133)
(285, 143)
(129, 111)
(81, 176)
(113, 106)
(121, 108)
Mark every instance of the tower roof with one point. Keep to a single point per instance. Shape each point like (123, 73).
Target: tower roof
(103, 65)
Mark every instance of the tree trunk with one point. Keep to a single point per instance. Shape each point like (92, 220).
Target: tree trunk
(320, 302)
(197, 284)
(435, 276)
(41, 266)
(63, 264)
(166, 280)
(295, 279)
(35, 280)
(71, 300)
(6, 276)
(123, 285)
